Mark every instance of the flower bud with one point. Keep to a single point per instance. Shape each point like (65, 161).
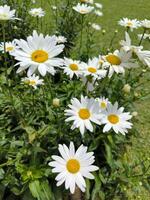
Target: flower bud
(127, 88)
(56, 102)
(134, 114)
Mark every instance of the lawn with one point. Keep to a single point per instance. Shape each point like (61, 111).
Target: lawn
(113, 11)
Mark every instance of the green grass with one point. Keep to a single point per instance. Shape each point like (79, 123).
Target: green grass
(114, 10)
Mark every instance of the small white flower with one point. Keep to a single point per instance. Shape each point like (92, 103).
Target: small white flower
(82, 113)
(72, 67)
(73, 166)
(6, 13)
(114, 118)
(93, 69)
(130, 23)
(37, 12)
(103, 102)
(61, 39)
(96, 27)
(33, 81)
(99, 5)
(83, 8)
(9, 47)
(38, 53)
(145, 24)
(98, 13)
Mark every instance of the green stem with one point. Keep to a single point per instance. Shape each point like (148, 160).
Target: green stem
(81, 36)
(142, 37)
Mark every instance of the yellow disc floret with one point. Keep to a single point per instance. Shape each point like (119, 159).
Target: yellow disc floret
(73, 166)
(39, 56)
(114, 119)
(84, 113)
(113, 59)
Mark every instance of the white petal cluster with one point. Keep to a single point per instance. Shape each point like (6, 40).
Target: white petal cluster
(33, 81)
(6, 13)
(37, 12)
(83, 8)
(73, 166)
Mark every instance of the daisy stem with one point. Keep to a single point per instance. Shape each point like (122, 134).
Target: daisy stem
(142, 37)
(77, 195)
(81, 36)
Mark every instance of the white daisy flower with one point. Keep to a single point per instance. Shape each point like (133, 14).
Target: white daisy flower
(144, 57)
(145, 24)
(72, 67)
(82, 113)
(37, 12)
(103, 102)
(96, 26)
(99, 5)
(9, 47)
(98, 13)
(114, 118)
(130, 23)
(73, 166)
(6, 13)
(83, 8)
(118, 61)
(61, 39)
(33, 81)
(92, 68)
(38, 53)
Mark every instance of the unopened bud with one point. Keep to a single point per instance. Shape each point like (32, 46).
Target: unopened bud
(134, 114)
(56, 102)
(127, 88)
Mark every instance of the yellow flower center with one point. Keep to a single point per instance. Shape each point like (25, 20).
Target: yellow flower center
(114, 119)
(92, 69)
(84, 113)
(39, 56)
(73, 166)
(103, 105)
(9, 48)
(73, 67)
(113, 59)
(32, 82)
(129, 24)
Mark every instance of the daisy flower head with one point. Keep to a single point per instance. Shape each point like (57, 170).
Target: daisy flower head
(38, 53)
(37, 12)
(145, 24)
(130, 23)
(72, 67)
(82, 113)
(9, 47)
(92, 68)
(33, 81)
(103, 102)
(73, 166)
(114, 118)
(96, 26)
(61, 39)
(6, 13)
(83, 8)
(118, 61)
